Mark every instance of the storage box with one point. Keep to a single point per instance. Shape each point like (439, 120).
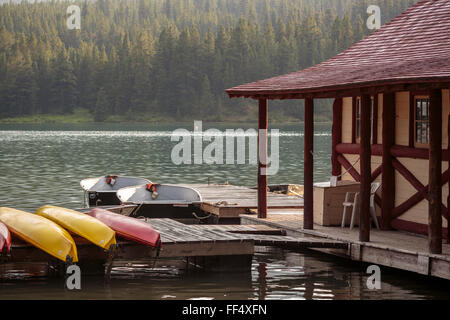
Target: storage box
(328, 201)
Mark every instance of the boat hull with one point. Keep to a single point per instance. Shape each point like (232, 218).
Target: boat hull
(127, 227)
(40, 232)
(170, 211)
(101, 191)
(80, 224)
(162, 201)
(5, 240)
(105, 198)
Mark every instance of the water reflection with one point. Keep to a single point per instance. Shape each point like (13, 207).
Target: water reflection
(262, 280)
(275, 274)
(44, 164)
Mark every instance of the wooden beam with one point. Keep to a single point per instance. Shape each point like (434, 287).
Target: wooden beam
(408, 176)
(353, 148)
(343, 91)
(376, 173)
(262, 158)
(336, 139)
(396, 151)
(411, 129)
(448, 197)
(348, 166)
(414, 153)
(375, 120)
(365, 170)
(421, 194)
(356, 176)
(308, 166)
(388, 172)
(434, 177)
(413, 227)
(354, 120)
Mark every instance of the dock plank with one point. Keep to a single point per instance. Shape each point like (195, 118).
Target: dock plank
(229, 201)
(244, 229)
(295, 242)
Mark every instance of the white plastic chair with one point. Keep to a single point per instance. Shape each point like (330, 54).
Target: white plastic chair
(354, 204)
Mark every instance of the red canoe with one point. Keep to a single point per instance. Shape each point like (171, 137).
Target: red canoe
(127, 227)
(5, 239)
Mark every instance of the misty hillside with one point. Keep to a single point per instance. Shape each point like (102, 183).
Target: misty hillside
(137, 59)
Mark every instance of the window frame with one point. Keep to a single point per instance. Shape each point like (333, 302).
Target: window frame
(357, 120)
(416, 143)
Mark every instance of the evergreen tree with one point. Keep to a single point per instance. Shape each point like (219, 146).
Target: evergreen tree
(170, 58)
(101, 106)
(64, 83)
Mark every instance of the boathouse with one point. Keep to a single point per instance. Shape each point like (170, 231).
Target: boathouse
(391, 110)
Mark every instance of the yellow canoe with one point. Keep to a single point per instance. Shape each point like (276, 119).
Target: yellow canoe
(40, 232)
(81, 224)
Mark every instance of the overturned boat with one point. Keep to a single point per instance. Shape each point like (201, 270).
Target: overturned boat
(130, 228)
(101, 191)
(5, 240)
(41, 233)
(80, 224)
(162, 201)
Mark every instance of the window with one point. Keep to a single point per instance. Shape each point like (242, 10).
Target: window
(358, 119)
(421, 120)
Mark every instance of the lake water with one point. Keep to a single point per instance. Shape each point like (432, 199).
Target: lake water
(43, 164)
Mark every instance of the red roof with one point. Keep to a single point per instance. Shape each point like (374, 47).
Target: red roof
(412, 48)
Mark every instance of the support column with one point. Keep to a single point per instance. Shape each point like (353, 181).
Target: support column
(365, 171)
(387, 169)
(262, 158)
(336, 133)
(308, 166)
(448, 185)
(435, 171)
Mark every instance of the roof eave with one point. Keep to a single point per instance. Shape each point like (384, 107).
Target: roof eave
(387, 85)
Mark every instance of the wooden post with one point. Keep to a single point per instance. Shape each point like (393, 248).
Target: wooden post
(336, 137)
(388, 172)
(262, 158)
(435, 171)
(365, 171)
(448, 197)
(308, 165)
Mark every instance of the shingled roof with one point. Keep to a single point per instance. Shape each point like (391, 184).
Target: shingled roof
(414, 47)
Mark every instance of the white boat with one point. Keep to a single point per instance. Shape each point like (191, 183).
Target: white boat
(162, 200)
(101, 191)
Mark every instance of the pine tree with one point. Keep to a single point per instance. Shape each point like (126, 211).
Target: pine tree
(101, 106)
(63, 85)
(134, 51)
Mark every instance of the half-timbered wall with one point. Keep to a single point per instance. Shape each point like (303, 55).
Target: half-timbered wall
(418, 167)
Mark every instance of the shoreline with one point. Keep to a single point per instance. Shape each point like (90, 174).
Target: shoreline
(11, 121)
(83, 116)
(52, 121)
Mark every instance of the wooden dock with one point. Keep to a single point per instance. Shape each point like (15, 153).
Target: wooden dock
(227, 201)
(259, 235)
(217, 248)
(390, 248)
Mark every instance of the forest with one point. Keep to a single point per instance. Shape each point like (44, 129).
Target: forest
(168, 60)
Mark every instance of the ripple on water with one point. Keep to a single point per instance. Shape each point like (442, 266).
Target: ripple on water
(44, 167)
